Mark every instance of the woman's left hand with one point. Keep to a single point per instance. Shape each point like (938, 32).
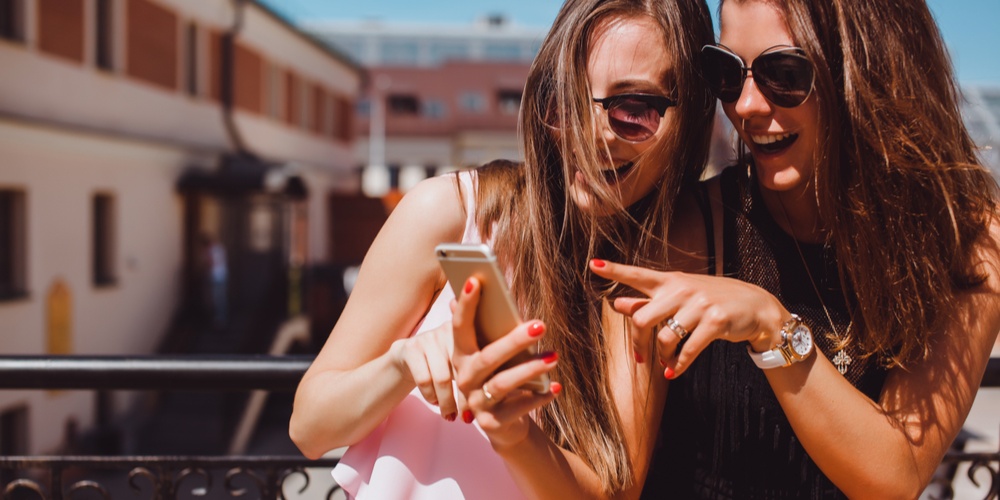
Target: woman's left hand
(494, 398)
(702, 309)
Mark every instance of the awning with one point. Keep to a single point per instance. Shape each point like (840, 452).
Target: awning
(240, 176)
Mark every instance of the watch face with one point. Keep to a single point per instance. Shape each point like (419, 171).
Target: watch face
(801, 340)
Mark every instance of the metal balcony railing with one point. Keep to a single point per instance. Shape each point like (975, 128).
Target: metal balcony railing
(270, 477)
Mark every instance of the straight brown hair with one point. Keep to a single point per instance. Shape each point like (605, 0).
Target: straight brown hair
(545, 241)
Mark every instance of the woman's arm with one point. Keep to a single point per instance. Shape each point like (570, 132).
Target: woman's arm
(368, 364)
(884, 449)
(891, 448)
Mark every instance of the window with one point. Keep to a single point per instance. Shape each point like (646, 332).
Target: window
(403, 104)
(399, 52)
(472, 102)
(276, 91)
(104, 240)
(192, 73)
(12, 239)
(509, 101)
(363, 108)
(12, 20)
(447, 51)
(434, 109)
(503, 51)
(14, 431)
(103, 34)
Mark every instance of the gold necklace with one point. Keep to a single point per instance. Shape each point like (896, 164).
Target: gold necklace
(842, 360)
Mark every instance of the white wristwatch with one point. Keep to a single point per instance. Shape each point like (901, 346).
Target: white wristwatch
(796, 345)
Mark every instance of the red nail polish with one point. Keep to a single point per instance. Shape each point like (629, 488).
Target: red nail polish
(668, 373)
(467, 416)
(550, 357)
(598, 263)
(638, 357)
(555, 387)
(451, 416)
(536, 329)
(468, 286)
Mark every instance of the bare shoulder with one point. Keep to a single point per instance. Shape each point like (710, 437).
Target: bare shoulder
(433, 207)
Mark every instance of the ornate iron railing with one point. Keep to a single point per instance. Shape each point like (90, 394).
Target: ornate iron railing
(164, 478)
(169, 477)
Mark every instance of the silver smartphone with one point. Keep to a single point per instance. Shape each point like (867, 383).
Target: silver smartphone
(497, 315)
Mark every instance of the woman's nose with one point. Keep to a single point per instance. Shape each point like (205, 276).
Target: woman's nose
(602, 129)
(751, 102)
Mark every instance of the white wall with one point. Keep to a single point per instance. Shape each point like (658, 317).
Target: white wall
(60, 172)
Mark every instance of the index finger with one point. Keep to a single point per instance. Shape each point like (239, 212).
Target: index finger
(639, 278)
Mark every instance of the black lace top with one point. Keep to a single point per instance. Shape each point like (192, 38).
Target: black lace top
(723, 433)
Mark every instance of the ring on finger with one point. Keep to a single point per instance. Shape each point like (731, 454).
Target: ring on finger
(677, 328)
(489, 396)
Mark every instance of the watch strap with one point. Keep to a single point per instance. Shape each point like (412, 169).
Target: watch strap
(766, 360)
(777, 357)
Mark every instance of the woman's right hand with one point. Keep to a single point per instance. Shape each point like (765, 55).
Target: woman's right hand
(425, 359)
(495, 399)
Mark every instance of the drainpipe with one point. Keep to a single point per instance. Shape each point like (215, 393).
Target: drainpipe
(228, 83)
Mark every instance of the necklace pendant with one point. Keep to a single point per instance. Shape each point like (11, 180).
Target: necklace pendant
(841, 360)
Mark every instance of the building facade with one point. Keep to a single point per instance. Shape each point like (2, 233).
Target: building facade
(130, 132)
(440, 97)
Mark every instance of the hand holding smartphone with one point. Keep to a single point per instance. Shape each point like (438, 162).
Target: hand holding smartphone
(496, 315)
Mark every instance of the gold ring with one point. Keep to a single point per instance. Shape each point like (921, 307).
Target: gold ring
(676, 327)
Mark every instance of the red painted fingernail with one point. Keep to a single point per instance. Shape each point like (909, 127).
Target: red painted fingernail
(638, 357)
(451, 416)
(467, 416)
(550, 357)
(555, 387)
(468, 286)
(598, 263)
(536, 329)
(668, 373)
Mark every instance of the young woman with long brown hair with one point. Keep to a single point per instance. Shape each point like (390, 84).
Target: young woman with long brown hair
(861, 232)
(615, 121)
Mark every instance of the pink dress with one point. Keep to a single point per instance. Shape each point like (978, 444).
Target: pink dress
(415, 453)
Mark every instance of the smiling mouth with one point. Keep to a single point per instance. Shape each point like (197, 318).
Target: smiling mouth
(773, 143)
(612, 176)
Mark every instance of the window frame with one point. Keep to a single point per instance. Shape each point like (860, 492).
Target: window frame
(13, 243)
(104, 230)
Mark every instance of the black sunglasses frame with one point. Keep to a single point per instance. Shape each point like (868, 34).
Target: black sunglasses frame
(656, 102)
(784, 99)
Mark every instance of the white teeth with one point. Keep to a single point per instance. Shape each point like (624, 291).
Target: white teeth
(768, 139)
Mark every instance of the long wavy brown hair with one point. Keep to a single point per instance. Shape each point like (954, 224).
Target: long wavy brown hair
(545, 241)
(899, 183)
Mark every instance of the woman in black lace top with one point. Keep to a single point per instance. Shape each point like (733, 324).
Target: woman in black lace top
(858, 241)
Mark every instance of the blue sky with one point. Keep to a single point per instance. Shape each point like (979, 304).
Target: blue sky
(971, 28)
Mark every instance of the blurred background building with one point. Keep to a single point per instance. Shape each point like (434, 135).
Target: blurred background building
(440, 96)
(165, 174)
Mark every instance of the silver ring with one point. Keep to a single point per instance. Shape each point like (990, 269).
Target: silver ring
(676, 327)
(489, 396)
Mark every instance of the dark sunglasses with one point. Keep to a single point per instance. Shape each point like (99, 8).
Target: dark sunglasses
(635, 117)
(784, 75)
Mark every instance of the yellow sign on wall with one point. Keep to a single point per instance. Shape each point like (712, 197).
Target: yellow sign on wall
(59, 308)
